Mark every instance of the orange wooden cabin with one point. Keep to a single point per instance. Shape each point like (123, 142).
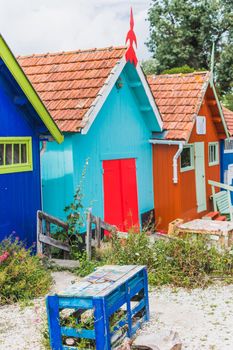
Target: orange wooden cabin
(187, 154)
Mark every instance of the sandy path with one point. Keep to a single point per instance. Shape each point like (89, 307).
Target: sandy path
(203, 318)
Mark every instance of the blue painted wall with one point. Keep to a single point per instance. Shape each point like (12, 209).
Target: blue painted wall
(20, 194)
(225, 160)
(119, 131)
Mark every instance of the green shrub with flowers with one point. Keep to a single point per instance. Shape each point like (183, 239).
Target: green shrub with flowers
(22, 274)
(186, 262)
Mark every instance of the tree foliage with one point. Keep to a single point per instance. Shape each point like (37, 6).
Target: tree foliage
(182, 33)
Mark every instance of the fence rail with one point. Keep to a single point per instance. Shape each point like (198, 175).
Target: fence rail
(94, 225)
(44, 222)
(94, 237)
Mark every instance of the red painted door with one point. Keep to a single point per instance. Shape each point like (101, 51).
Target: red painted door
(120, 193)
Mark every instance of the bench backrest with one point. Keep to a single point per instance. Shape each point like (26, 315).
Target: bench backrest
(222, 201)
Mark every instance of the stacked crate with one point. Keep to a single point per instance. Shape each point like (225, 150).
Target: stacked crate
(102, 309)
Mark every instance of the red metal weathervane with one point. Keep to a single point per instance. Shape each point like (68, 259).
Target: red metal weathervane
(130, 54)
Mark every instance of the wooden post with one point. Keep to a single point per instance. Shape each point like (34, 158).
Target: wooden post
(47, 233)
(213, 195)
(39, 232)
(88, 236)
(98, 231)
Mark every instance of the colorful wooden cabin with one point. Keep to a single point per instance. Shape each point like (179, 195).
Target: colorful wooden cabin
(23, 119)
(186, 153)
(104, 107)
(227, 150)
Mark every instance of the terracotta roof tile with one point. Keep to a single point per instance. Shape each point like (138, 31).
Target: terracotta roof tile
(228, 115)
(178, 97)
(69, 82)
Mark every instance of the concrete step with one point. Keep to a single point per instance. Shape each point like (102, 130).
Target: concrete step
(212, 215)
(221, 218)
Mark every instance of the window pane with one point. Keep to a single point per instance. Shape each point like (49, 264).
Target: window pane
(16, 153)
(212, 153)
(8, 154)
(228, 145)
(186, 157)
(23, 153)
(1, 154)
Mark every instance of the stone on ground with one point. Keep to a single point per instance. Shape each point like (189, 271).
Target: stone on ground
(159, 341)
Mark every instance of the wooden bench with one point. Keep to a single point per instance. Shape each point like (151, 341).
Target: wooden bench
(116, 297)
(222, 202)
(222, 199)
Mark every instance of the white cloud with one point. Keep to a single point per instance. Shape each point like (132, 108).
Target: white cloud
(34, 26)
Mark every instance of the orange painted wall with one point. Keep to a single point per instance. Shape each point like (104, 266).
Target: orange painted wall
(179, 200)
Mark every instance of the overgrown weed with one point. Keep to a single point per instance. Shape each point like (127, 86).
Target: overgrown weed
(22, 274)
(180, 262)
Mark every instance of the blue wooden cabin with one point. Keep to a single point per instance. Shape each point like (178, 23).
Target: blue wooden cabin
(24, 120)
(226, 151)
(107, 113)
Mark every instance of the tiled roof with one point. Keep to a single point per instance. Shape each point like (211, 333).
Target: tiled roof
(69, 82)
(178, 97)
(228, 115)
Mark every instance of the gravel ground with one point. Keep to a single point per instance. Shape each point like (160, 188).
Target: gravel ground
(21, 327)
(202, 318)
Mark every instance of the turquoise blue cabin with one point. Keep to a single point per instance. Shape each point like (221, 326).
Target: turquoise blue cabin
(105, 109)
(24, 120)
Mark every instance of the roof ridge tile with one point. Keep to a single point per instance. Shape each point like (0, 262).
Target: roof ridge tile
(59, 53)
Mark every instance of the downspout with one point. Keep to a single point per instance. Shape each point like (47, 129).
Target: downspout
(175, 160)
(176, 155)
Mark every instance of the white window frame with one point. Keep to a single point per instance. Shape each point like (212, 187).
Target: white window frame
(228, 150)
(191, 167)
(216, 162)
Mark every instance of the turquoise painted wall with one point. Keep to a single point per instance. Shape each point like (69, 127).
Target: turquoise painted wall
(119, 131)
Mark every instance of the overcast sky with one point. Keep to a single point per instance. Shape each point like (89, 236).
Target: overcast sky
(35, 26)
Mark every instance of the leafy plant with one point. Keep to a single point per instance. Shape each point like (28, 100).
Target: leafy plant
(184, 69)
(135, 249)
(86, 321)
(85, 266)
(189, 262)
(75, 217)
(22, 275)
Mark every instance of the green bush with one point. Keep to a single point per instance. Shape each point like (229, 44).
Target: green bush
(187, 262)
(136, 249)
(22, 275)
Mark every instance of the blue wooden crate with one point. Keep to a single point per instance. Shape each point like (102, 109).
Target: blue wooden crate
(102, 309)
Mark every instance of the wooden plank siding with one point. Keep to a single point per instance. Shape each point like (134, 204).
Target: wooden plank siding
(179, 200)
(119, 132)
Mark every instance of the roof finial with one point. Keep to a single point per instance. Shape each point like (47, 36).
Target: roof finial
(130, 54)
(212, 62)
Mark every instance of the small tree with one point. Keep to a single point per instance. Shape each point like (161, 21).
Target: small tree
(182, 33)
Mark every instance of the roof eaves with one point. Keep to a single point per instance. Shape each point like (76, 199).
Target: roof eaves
(220, 110)
(198, 107)
(150, 96)
(19, 75)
